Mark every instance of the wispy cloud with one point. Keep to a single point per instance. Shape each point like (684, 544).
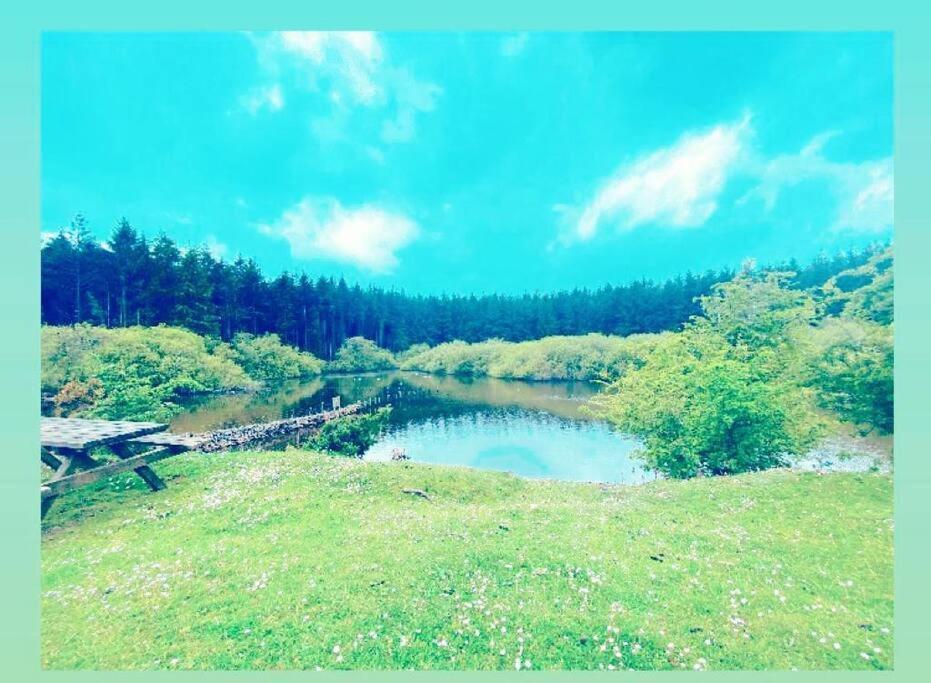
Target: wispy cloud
(411, 96)
(864, 191)
(264, 97)
(680, 186)
(511, 46)
(367, 236)
(350, 69)
(677, 185)
(348, 59)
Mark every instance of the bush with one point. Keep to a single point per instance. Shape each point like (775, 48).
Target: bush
(457, 358)
(64, 353)
(352, 435)
(851, 365)
(410, 352)
(265, 358)
(358, 354)
(866, 292)
(723, 396)
(585, 357)
(132, 373)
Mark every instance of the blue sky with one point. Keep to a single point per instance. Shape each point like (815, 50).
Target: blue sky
(471, 162)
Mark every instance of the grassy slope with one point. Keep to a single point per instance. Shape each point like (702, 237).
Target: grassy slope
(297, 560)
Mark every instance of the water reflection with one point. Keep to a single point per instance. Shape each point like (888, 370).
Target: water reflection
(525, 442)
(534, 429)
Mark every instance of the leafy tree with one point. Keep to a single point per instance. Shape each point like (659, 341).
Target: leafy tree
(864, 292)
(723, 396)
(851, 365)
(756, 310)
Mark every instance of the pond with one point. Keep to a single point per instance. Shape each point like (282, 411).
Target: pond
(533, 429)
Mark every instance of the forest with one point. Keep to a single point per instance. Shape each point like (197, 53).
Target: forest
(133, 279)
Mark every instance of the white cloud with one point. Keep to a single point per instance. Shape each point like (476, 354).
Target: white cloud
(216, 248)
(349, 58)
(350, 69)
(677, 186)
(264, 97)
(512, 46)
(367, 236)
(411, 96)
(864, 191)
(873, 206)
(680, 186)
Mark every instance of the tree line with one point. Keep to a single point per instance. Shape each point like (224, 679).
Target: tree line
(133, 280)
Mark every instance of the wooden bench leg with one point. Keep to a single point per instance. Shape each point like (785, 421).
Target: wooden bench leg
(146, 473)
(46, 505)
(63, 464)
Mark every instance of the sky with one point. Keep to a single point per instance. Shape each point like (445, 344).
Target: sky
(475, 162)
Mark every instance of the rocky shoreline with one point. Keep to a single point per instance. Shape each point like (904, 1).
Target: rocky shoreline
(234, 437)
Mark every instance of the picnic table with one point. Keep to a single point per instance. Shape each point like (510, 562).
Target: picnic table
(66, 443)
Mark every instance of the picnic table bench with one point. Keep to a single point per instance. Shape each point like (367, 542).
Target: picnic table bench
(65, 445)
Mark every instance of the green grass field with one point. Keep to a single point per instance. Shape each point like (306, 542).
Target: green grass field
(297, 561)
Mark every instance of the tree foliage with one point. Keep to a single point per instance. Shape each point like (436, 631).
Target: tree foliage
(144, 372)
(266, 358)
(851, 364)
(358, 354)
(135, 372)
(134, 280)
(724, 395)
(351, 435)
(591, 356)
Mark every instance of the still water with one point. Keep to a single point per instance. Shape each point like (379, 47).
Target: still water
(533, 429)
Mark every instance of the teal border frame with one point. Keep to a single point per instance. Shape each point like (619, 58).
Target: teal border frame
(19, 275)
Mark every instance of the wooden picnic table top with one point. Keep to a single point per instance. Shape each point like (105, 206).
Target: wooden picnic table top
(78, 434)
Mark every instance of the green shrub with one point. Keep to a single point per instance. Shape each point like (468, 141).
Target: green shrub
(132, 373)
(351, 435)
(64, 353)
(851, 363)
(724, 395)
(265, 358)
(358, 354)
(585, 357)
(866, 292)
(410, 352)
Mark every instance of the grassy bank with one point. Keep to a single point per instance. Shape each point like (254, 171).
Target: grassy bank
(298, 560)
